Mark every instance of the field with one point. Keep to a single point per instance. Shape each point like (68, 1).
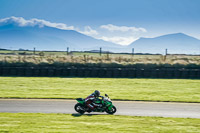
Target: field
(173, 90)
(177, 90)
(63, 59)
(35, 122)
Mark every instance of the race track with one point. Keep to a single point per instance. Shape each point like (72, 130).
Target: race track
(132, 108)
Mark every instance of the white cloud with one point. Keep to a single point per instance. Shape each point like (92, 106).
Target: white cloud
(35, 22)
(89, 31)
(119, 40)
(113, 28)
(122, 35)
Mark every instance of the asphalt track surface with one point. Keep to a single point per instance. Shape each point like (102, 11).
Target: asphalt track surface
(131, 108)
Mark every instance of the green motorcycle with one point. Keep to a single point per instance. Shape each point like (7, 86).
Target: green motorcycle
(106, 103)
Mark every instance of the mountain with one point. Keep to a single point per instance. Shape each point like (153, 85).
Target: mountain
(177, 43)
(14, 35)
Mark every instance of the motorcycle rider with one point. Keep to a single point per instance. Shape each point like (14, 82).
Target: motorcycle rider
(90, 100)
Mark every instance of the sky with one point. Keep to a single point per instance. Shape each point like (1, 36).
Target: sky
(118, 21)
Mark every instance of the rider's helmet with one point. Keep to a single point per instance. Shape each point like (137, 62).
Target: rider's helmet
(97, 93)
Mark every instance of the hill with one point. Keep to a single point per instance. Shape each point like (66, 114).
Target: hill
(177, 43)
(15, 36)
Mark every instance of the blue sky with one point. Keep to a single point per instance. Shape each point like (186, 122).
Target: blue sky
(109, 18)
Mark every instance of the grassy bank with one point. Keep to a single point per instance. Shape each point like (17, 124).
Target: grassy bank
(30, 122)
(179, 90)
(27, 58)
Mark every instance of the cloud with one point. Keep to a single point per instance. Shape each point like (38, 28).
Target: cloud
(119, 40)
(122, 35)
(88, 31)
(34, 22)
(113, 28)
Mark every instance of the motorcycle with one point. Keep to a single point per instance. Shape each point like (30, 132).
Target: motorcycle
(106, 103)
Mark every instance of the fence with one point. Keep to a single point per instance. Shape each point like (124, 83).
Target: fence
(101, 72)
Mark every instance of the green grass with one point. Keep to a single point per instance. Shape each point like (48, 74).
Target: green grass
(179, 90)
(31, 52)
(35, 122)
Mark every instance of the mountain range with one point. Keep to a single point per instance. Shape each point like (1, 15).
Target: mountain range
(14, 36)
(177, 43)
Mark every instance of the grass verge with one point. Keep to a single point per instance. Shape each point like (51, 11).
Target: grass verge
(27, 58)
(37, 122)
(178, 90)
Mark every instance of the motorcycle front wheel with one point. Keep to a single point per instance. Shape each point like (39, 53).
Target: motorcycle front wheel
(79, 108)
(112, 111)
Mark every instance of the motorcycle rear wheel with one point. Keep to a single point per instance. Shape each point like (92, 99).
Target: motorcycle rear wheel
(79, 108)
(112, 111)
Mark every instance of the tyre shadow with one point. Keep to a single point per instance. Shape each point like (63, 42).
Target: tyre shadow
(79, 115)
